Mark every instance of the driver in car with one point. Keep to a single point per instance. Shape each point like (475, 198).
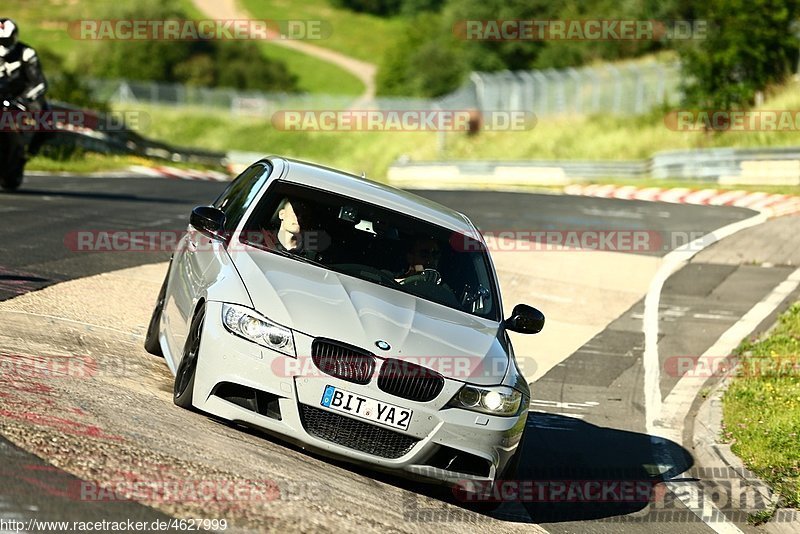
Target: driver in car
(289, 236)
(423, 254)
(293, 235)
(423, 271)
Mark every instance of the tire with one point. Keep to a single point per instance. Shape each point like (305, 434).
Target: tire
(11, 179)
(510, 472)
(151, 341)
(184, 376)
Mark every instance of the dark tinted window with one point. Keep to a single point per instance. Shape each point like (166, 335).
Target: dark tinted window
(375, 244)
(235, 200)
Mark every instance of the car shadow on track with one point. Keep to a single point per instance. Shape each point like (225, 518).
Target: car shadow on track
(572, 470)
(563, 455)
(580, 471)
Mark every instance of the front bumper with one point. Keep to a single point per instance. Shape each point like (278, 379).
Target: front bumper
(442, 444)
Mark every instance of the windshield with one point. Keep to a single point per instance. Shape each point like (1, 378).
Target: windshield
(375, 244)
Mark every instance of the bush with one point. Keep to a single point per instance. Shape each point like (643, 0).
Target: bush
(241, 65)
(750, 45)
(425, 61)
(411, 63)
(374, 7)
(385, 8)
(67, 85)
(210, 63)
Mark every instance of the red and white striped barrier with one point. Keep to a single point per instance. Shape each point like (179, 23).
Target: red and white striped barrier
(181, 174)
(773, 204)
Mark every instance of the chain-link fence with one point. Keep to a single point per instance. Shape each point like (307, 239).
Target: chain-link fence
(629, 89)
(625, 90)
(252, 103)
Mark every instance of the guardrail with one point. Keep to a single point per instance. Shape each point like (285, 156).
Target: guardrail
(124, 141)
(724, 166)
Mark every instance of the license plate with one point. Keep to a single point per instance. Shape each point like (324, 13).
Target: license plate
(343, 401)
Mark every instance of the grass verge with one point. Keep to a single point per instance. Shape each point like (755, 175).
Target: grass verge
(44, 23)
(360, 35)
(91, 162)
(761, 409)
(601, 137)
(85, 163)
(314, 75)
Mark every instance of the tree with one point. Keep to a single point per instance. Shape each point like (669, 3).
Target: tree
(66, 84)
(209, 63)
(750, 45)
(425, 61)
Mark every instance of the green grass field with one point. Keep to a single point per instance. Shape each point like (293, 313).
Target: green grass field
(90, 162)
(599, 137)
(315, 75)
(761, 409)
(360, 35)
(45, 23)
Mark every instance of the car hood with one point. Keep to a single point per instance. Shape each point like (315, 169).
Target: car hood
(322, 303)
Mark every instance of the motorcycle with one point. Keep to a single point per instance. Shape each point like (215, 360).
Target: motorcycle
(13, 143)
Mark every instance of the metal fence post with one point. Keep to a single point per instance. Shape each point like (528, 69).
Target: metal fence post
(543, 90)
(557, 79)
(639, 101)
(617, 99)
(528, 91)
(578, 95)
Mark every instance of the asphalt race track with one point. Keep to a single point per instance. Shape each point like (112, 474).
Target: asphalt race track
(587, 418)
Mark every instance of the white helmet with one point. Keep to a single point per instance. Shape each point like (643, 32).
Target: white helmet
(8, 36)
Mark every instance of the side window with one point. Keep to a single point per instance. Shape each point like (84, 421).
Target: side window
(235, 200)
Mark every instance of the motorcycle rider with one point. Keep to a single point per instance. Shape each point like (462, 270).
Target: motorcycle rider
(22, 76)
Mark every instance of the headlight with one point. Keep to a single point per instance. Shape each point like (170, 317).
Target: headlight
(252, 326)
(501, 400)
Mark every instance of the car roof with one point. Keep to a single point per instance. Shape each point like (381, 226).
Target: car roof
(312, 175)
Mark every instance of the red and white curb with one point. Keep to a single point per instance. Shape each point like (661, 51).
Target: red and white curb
(181, 174)
(773, 205)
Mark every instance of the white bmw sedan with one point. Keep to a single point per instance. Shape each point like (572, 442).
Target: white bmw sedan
(354, 319)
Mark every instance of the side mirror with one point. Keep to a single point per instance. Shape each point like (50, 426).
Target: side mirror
(525, 320)
(208, 220)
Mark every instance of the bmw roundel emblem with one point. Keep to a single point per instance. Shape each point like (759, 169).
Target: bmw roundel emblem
(382, 345)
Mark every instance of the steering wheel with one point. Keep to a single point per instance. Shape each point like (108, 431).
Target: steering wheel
(426, 276)
(385, 276)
